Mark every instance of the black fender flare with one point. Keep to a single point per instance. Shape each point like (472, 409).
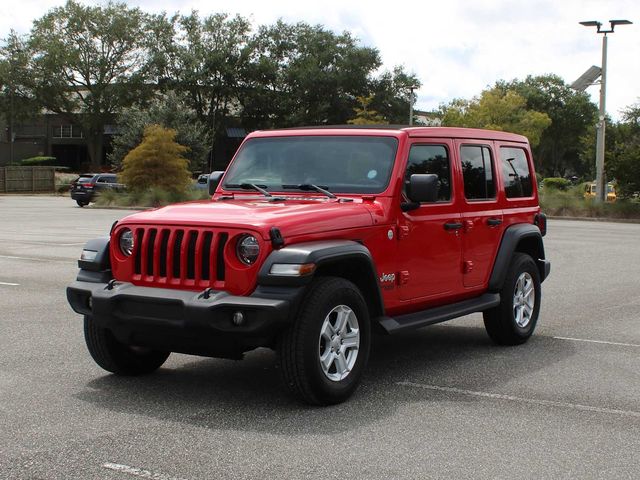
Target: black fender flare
(327, 255)
(511, 238)
(98, 269)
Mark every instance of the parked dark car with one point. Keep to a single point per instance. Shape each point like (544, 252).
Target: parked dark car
(203, 182)
(87, 186)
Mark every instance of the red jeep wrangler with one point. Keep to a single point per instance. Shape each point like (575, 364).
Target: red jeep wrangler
(314, 239)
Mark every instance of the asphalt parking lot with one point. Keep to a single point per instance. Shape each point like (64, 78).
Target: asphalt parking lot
(441, 402)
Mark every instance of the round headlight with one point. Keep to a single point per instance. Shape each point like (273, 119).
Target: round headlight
(126, 242)
(248, 249)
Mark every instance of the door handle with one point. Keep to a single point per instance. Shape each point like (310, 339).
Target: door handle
(452, 226)
(494, 222)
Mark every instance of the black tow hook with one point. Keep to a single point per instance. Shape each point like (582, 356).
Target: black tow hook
(111, 284)
(206, 293)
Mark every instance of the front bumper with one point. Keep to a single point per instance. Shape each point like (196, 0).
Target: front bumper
(186, 321)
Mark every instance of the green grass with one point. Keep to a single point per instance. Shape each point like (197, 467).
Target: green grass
(571, 203)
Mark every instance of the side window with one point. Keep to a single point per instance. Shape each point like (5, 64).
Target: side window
(431, 159)
(102, 180)
(477, 172)
(516, 173)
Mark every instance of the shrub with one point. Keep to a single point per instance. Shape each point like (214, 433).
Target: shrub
(157, 162)
(38, 161)
(555, 183)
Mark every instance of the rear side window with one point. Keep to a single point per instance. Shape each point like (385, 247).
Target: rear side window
(477, 172)
(432, 159)
(85, 179)
(516, 173)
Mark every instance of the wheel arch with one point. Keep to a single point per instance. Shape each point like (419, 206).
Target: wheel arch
(339, 258)
(524, 238)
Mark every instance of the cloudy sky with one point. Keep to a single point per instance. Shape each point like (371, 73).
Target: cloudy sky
(456, 47)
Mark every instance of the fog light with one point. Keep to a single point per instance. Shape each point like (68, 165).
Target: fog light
(238, 318)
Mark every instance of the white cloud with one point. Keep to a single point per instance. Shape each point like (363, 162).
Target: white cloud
(455, 47)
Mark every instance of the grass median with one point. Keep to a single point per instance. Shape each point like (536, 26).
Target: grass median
(571, 203)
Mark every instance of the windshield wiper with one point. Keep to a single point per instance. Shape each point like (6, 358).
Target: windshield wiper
(257, 188)
(308, 187)
(250, 186)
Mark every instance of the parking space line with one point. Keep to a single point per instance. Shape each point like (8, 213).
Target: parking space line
(533, 401)
(35, 259)
(138, 472)
(9, 284)
(603, 342)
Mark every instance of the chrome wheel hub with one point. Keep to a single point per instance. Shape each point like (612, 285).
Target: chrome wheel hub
(339, 343)
(524, 299)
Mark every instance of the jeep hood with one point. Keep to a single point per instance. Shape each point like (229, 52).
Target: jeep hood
(292, 216)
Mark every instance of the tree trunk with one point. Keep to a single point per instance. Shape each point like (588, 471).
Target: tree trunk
(95, 141)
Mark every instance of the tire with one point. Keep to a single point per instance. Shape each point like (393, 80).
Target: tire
(81, 203)
(513, 321)
(307, 341)
(116, 357)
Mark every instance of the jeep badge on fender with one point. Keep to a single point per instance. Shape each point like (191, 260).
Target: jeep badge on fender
(293, 252)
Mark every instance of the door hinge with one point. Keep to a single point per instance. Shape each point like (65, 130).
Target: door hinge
(403, 231)
(467, 266)
(404, 277)
(468, 225)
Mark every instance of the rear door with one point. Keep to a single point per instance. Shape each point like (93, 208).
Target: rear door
(481, 214)
(430, 244)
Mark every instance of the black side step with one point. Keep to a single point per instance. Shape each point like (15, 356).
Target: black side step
(439, 314)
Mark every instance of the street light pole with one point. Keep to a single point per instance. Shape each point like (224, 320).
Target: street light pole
(601, 189)
(601, 184)
(411, 89)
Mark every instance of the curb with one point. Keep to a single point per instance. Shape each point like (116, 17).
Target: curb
(110, 207)
(596, 219)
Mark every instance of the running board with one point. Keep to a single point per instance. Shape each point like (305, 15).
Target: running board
(439, 314)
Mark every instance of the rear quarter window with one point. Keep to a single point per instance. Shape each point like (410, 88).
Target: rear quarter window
(516, 173)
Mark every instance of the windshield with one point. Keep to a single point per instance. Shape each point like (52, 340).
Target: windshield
(340, 164)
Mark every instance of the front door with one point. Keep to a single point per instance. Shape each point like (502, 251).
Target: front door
(430, 236)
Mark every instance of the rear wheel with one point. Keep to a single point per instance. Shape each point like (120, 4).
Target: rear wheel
(117, 357)
(324, 353)
(81, 203)
(513, 321)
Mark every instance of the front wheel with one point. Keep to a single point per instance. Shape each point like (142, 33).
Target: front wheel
(513, 321)
(117, 357)
(324, 353)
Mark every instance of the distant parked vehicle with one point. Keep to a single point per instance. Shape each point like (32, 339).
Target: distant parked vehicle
(203, 182)
(590, 191)
(88, 186)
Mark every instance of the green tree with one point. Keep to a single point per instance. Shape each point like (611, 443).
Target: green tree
(573, 116)
(203, 60)
(624, 141)
(167, 110)
(365, 115)
(497, 109)
(157, 162)
(88, 63)
(16, 99)
(391, 91)
(301, 74)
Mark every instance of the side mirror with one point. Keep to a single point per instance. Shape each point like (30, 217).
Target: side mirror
(423, 188)
(214, 180)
